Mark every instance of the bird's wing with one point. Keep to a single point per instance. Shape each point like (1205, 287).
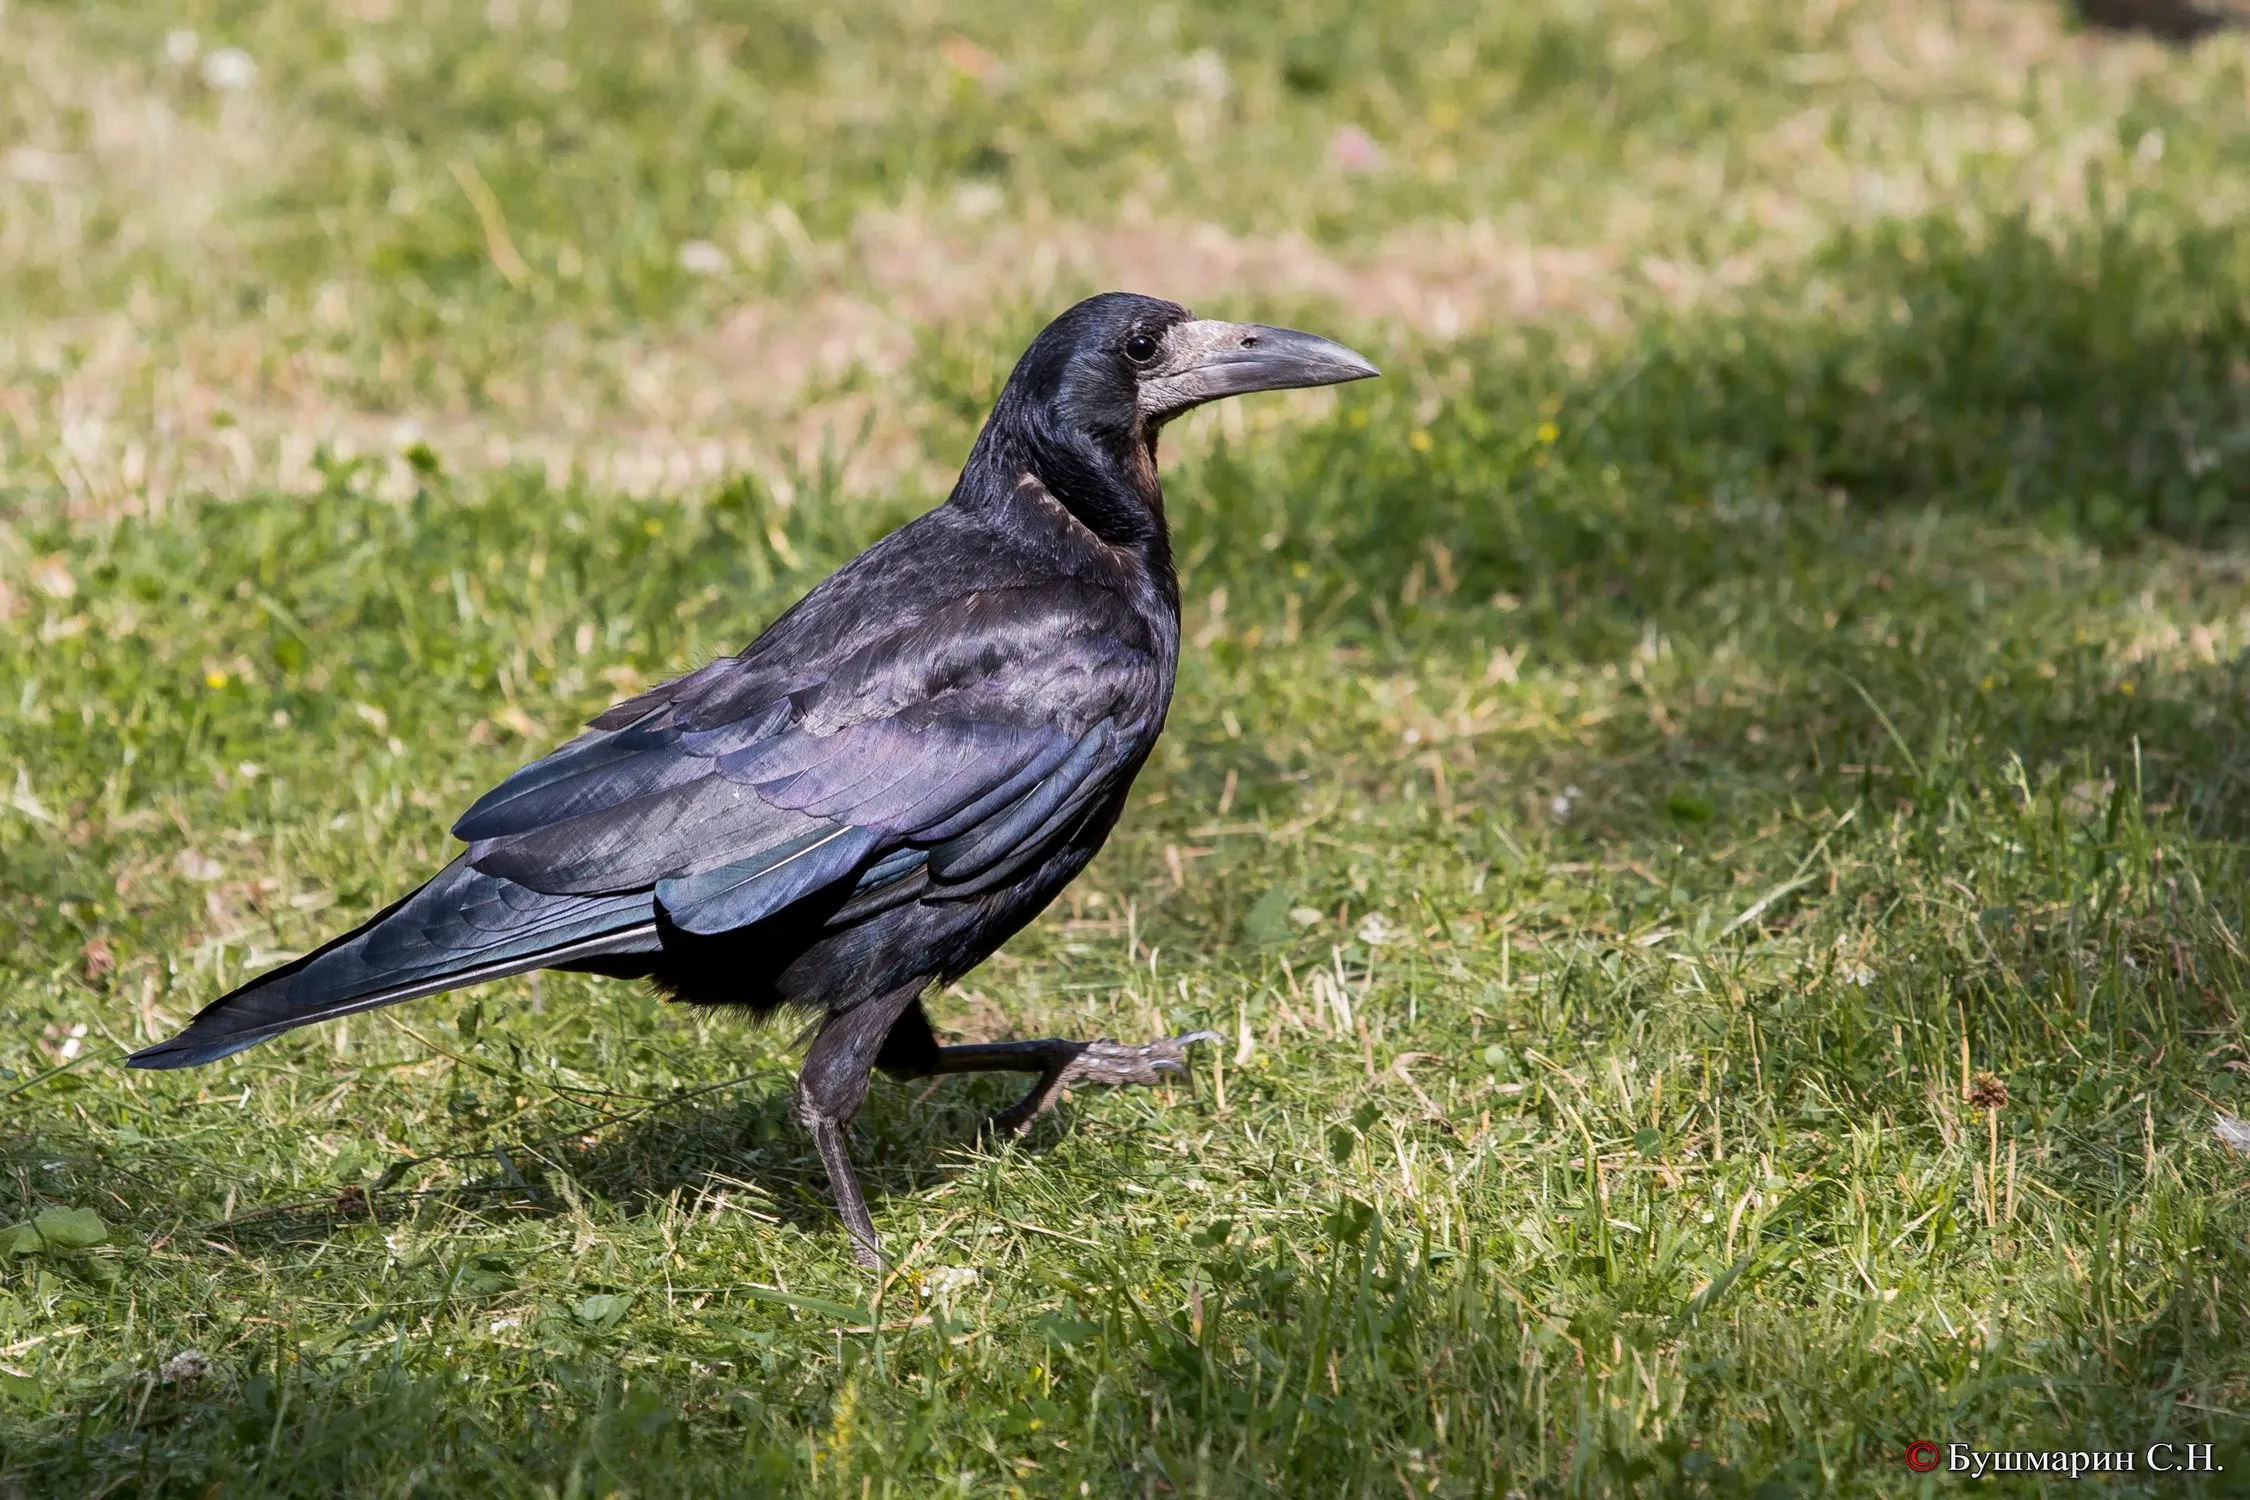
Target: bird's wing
(956, 745)
(462, 928)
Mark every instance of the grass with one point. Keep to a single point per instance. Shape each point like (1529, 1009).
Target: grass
(1635, 768)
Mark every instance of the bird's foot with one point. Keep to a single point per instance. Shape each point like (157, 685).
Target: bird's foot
(1109, 1064)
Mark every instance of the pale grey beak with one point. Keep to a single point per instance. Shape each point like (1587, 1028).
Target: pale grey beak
(1206, 360)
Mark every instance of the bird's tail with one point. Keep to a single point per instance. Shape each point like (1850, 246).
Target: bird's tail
(463, 928)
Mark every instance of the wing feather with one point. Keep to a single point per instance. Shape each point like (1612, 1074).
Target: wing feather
(753, 889)
(733, 793)
(969, 852)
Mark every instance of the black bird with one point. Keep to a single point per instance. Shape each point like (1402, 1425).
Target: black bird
(902, 771)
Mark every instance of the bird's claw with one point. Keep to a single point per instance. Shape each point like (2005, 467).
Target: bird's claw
(1108, 1064)
(1114, 1065)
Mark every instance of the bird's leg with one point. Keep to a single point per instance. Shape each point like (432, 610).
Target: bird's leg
(830, 1089)
(851, 1203)
(912, 1051)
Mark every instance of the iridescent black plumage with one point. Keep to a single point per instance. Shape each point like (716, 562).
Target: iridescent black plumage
(904, 769)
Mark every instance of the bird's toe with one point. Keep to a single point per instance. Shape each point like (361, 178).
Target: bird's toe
(1099, 1065)
(1115, 1064)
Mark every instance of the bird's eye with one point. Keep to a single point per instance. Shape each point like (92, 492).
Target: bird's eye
(1140, 348)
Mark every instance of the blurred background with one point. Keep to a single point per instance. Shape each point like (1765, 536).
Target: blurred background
(663, 243)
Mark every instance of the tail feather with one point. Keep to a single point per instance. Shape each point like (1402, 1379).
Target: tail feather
(463, 928)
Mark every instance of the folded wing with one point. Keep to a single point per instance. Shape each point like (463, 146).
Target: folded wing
(933, 763)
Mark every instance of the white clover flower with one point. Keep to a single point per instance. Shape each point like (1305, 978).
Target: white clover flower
(229, 70)
(702, 258)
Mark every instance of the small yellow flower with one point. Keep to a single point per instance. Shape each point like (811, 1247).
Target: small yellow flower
(653, 526)
(2126, 687)
(1358, 418)
(1986, 685)
(214, 680)
(1548, 432)
(1418, 440)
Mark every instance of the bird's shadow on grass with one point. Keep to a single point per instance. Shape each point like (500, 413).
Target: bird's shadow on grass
(739, 1148)
(751, 1154)
(744, 1154)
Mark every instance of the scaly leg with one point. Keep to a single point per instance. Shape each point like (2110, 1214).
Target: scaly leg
(911, 1051)
(830, 1089)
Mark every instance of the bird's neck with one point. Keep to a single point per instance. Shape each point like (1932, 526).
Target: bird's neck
(1109, 484)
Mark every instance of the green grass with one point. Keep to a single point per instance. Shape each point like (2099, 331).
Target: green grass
(1691, 746)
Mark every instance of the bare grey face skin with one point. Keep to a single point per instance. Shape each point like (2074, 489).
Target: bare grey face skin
(1205, 360)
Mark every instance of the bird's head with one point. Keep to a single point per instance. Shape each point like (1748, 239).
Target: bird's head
(1083, 408)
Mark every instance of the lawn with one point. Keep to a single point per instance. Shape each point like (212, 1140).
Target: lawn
(1708, 805)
